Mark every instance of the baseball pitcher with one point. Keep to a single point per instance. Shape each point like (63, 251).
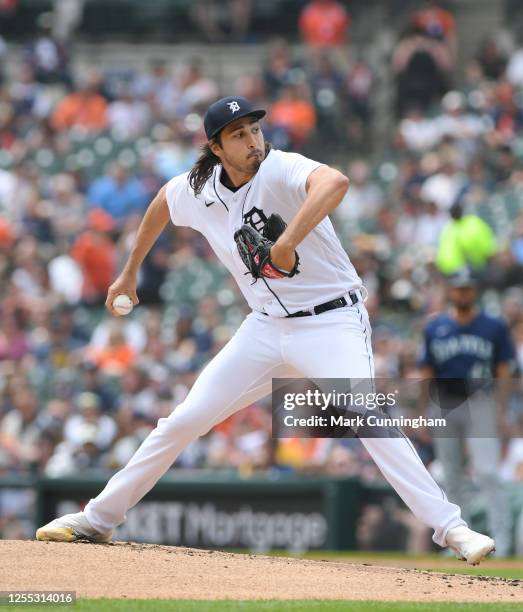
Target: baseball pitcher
(265, 214)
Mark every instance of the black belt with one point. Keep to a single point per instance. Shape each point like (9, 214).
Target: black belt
(332, 305)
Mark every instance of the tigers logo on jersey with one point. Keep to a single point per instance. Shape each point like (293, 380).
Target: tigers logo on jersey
(256, 218)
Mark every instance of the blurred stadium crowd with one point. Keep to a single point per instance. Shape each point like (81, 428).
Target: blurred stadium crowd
(82, 154)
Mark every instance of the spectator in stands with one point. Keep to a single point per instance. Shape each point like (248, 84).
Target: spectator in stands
(477, 185)
(252, 87)
(51, 421)
(462, 127)
(85, 108)
(14, 343)
(29, 275)
(68, 209)
(506, 114)
(65, 277)
(341, 462)
(87, 434)
(324, 23)
(8, 187)
(518, 340)
(116, 356)
(17, 187)
(429, 225)
(465, 241)
(95, 253)
(244, 439)
(3, 57)
(18, 430)
(58, 342)
(503, 164)
(118, 193)
(149, 177)
(89, 412)
(240, 14)
(28, 95)
(132, 328)
(294, 111)
(68, 460)
(138, 399)
(158, 88)
(280, 68)
(6, 234)
(36, 220)
(127, 115)
(306, 454)
(517, 240)
(65, 315)
(446, 184)
(514, 72)
(221, 20)
(422, 65)
(173, 154)
(492, 60)
(364, 198)
(47, 56)
(67, 16)
(437, 22)
(195, 90)
(91, 380)
(359, 85)
(137, 428)
(417, 132)
(328, 93)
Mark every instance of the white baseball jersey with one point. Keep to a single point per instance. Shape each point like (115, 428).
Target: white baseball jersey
(326, 271)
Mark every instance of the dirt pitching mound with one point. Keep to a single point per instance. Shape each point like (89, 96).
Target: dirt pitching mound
(143, 571)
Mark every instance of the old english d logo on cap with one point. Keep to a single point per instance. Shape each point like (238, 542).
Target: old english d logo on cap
(234, 106)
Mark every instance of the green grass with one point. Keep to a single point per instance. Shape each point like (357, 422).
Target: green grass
(361, 555)
(502, 572)
(178, 605)
(498, 567)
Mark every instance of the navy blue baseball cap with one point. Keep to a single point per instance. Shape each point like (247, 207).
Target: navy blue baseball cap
(225, 111)
(464, 277)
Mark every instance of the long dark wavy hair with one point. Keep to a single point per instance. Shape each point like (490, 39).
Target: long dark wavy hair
(204, 165)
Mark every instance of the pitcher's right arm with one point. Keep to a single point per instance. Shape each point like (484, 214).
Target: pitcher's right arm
(153, 223)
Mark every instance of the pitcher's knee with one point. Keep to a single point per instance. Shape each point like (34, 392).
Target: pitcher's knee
(186, 420)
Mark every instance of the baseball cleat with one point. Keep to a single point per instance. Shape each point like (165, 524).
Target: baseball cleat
(69, 528)
(469, 545)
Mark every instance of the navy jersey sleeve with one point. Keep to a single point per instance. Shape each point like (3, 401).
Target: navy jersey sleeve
(504, 347)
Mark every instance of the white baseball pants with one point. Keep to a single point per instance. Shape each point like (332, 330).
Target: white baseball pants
(334, 344)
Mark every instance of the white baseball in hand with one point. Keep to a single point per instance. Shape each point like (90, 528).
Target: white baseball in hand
(122, 304)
